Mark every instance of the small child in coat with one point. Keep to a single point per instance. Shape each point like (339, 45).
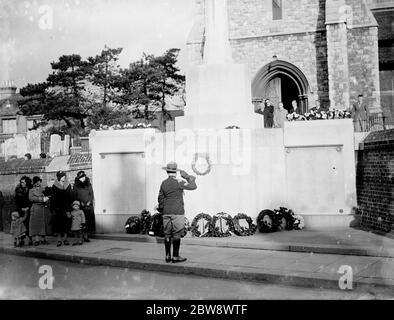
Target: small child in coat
(18, 229)
(77, 223)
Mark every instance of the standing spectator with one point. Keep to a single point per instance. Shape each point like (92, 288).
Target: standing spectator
(294, 107)
(27, 156)
(61, 204)
(77, 222)
(268, 114)
(23, 203)
(360, 114)
(38, 212)
(83, 192)
(171, 205)
(280, 116)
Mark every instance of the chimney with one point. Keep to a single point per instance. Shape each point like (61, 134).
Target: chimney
(7, 90)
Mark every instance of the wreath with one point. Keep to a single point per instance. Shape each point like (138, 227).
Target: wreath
(209, 164)
(187, 227)
(268, 221)
(133, 225)
(146, 221)
(241, 230)
(221, 230)
(298, 223)
(233, 127)
(201, 225)
(286, 218)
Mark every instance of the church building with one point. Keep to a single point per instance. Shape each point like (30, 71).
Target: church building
(326, 52)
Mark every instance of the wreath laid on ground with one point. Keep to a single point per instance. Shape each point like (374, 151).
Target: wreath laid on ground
(268, 221)
(146, 221)
(233, 127)
(133, 225)
(208, 164)
(298, 223)
(286, 217)
(201, 225)
(241, 229)
(187, 227)
(222, 225)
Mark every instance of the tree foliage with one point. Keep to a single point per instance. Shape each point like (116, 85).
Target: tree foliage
(96, 91)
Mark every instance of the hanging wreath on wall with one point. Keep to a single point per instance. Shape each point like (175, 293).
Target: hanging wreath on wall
(201, 225)
(268, 221)
(201, 169)
(286, 218)
(243, 225)
(222, 225)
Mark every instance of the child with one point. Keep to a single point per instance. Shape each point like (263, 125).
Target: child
(18, 229)
(78, 222)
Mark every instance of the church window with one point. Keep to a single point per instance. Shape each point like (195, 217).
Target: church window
(276, 9)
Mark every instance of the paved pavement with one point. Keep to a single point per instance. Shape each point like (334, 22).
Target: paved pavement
(241, 258)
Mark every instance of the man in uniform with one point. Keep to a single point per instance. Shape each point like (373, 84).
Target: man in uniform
(171, 205)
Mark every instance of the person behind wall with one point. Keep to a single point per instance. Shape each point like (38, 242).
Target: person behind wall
(27, 156)
(360, 114)
(38, 212)
(171, 205)
(294, 107)
(61, 204)
(268, 114)
(280, 116)
(23, 203)
(83, 192)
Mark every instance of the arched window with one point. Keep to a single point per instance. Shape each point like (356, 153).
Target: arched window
(276, 9)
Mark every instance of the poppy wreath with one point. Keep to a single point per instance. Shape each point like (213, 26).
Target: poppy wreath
(206, 226)
(209, 164)
(242, 231)
(299, 223)
(187, 227)
(286, 217)
(219, 231)
(133, 225)
(268, 221)
(146, 221)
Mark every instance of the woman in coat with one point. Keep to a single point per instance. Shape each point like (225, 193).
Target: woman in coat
(23, 203)
(38, 212)
(83, 192)
(61, 205)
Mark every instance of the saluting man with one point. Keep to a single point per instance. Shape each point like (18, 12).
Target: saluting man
(171, 205)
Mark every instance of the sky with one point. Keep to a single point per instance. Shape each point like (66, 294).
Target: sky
(33, 33)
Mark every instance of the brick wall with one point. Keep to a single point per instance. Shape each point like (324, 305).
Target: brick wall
(375, 181)
(11, 172)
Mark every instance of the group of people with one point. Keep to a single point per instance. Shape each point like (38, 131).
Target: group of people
(275, 116)
(57, 210)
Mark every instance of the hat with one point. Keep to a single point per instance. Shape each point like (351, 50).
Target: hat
(60, 174)
(171, 167)
(76, 202)
(81, 174)
(15, 214)
(36, 179)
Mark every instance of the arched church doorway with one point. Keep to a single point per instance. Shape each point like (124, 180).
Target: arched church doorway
(281, 81)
